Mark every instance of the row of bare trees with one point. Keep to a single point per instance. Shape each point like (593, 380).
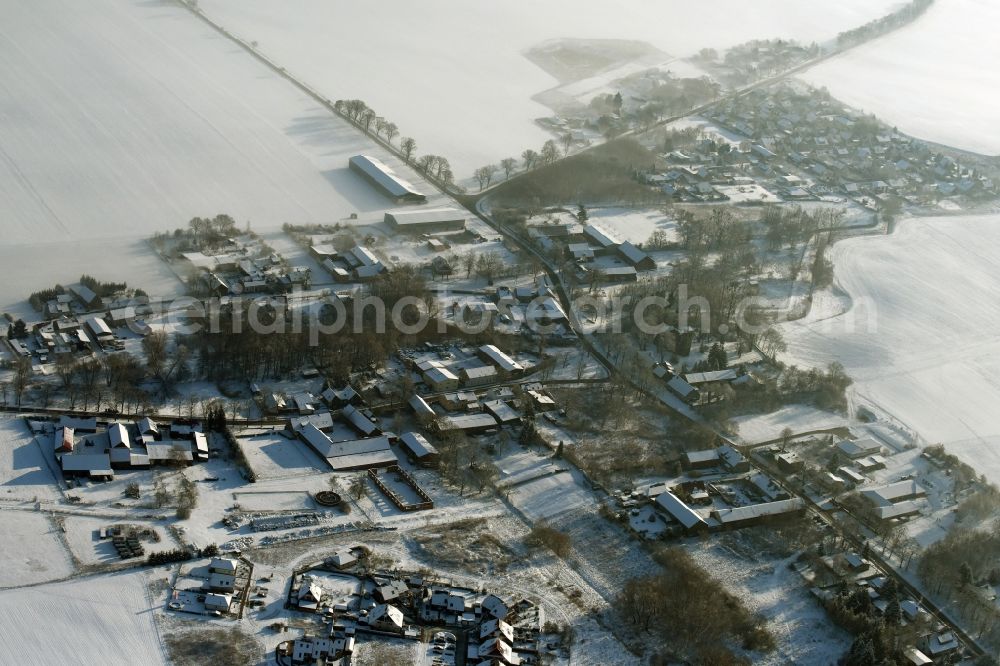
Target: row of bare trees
(364, 117)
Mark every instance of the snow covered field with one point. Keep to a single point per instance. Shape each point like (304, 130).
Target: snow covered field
(25, 474)
(460, 84)
(32, 553)
(802, 629)
(105, 620)
(159, 119)
(920, 337)
(631, 225)
(800, 418)
(934, 79)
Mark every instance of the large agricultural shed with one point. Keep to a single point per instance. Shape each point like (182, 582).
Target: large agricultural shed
(350, 455)
(427, 221)
(384, 179)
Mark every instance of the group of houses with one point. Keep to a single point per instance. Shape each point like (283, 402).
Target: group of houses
(86, 449)
(849, 574)
(843, 151)
(244, 265)
(594, 253)
(496, 631)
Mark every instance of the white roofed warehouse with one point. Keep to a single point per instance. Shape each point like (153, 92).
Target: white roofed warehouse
(427, 221)
(504, 363)
(385, 180)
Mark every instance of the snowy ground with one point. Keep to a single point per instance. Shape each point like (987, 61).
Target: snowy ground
(32, 552)
(928, 78)
(802, 629)
(800, 418)
(102, 620)
(25, 472)
(464, 62)
(635, 225)
(919, 338)
(161, 119)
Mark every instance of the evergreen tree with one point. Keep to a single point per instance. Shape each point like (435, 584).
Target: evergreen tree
(965, 574)
(893, 614)
(559, 450)
(862, 652)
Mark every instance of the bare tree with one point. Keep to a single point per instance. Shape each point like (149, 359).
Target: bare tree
(390, 131)
(367, 118)
(484, 175)
(550, 152)
(22, 374)
(530, 158)
(408, 146)
(359, 485)
(380, 124)
(508, 164)
(567, 141)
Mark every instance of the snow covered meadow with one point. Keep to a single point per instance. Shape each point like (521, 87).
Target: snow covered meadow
(104, 620)
(919, 337)
(935, 79)
(124, 118)
(453, 74)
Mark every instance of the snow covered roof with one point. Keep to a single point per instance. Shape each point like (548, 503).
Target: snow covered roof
(681, 387)
(118, 436)
(894, 492)
(416, 217)
(744, 513)
(502, 360)
(599, 236)
(361, 422)
(418, 445)
(678, 510)
(386, 613)
(696, 378)
(94, 463)
(384, 176)
(503, 412)
(421, 407)
(859, 447)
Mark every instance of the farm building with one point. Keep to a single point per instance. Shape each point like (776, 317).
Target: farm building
(617, 274)
(385, 180)
(743, 516)
(100, 329)
(636, 257)
(479, 375)
(504, 363)
(683, 390)
(604, 242)
(419, 449)
(63, 440)
(894, 493)
(441, 379)
(423, 411)
(96, 466)
(349, 455)
(733, 460)
(359, 421)
(859, 448)
(679, 511)
(436, 220)
(701, 459)
(470, 423)
(501, 411)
